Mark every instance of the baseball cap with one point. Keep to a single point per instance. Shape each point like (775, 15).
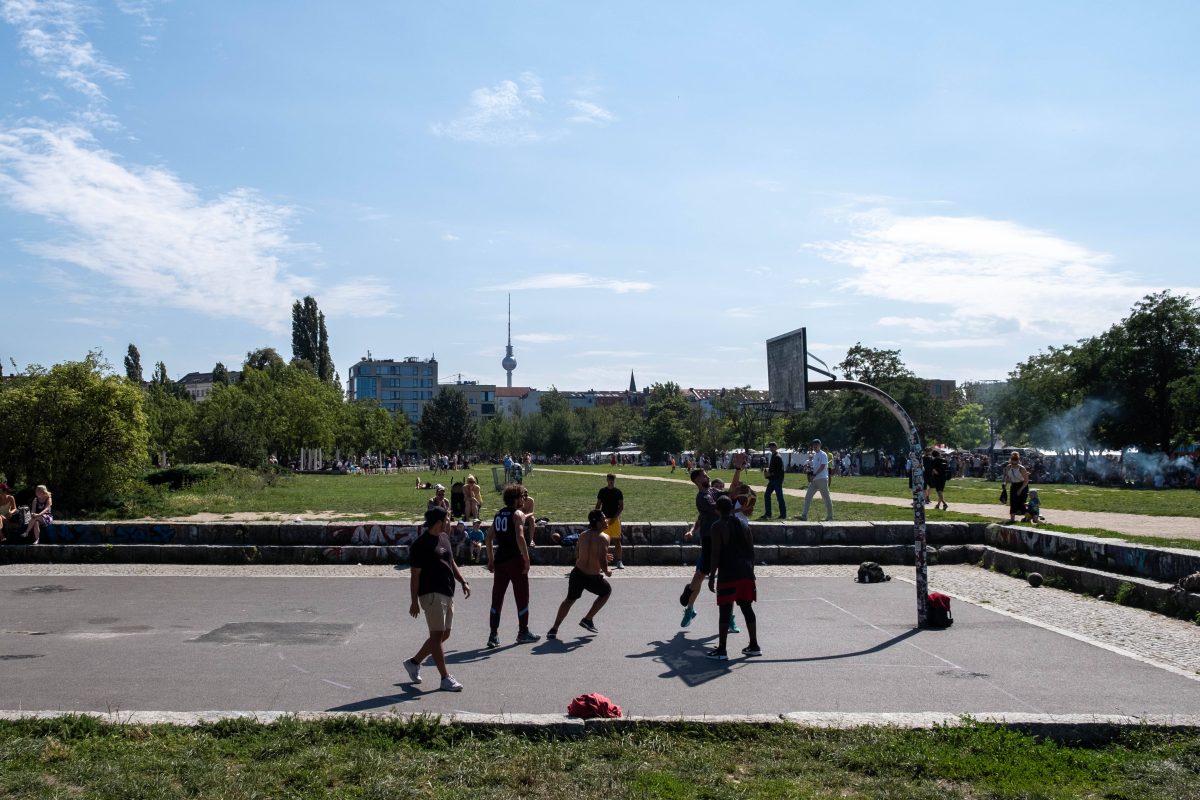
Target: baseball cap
(439, 487)
(816, 441)
(772, 444)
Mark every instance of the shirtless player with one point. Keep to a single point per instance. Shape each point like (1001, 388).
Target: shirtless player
(591, 568)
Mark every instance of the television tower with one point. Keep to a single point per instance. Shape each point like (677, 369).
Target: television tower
(509, 363)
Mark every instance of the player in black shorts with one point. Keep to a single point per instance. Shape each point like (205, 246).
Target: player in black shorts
(591, 569)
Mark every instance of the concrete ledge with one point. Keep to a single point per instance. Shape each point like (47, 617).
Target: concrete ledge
(1063, 728)
(1162, 564)
(1144, 593)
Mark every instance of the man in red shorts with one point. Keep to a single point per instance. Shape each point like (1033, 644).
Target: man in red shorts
(733, 574)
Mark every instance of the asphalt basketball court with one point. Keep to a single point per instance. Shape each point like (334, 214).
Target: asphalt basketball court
(72, 643)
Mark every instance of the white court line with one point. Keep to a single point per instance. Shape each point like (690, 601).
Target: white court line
(1079, 637)
(335, 683)
(1000, 689)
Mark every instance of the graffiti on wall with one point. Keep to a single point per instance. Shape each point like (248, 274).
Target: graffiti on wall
(1121, 557)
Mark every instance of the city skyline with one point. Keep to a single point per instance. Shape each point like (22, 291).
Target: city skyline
(661, 189)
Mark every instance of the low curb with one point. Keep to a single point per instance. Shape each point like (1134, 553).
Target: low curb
(1063, 728)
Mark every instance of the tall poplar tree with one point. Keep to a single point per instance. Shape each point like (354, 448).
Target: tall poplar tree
(310, 340)
(133, 365)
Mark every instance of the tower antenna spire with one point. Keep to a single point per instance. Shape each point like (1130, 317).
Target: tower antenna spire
(509, 363)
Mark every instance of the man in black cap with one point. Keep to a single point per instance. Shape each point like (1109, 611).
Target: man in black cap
(818, 462)
(775, 482)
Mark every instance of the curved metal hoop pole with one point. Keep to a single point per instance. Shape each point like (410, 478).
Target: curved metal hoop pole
(918, 478)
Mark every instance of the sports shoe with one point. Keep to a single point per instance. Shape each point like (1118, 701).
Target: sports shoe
(803, 518)
(687, 595)
(619, 565)
(526, 637)
(751, 651)
(451, 684)
(588, 625)
(689, 614)
(552, 633)
(413, 669)
(717, 655)
(733, 626)
(493, 641)
(765, 517)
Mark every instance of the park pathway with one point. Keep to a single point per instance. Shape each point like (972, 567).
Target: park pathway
(1130, 524)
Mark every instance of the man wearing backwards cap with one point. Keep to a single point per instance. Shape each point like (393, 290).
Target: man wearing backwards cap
(819, 482)
(439, 499)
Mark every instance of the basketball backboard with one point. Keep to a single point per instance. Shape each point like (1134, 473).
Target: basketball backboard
(787, 371)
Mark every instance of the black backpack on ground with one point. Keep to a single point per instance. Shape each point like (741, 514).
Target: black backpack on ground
(937, 611)
(870, 572)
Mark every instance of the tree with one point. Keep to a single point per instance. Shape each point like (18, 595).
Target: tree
(1156, 345)
(220, 375)
(77, 428)
(446, 424)
(310, 341)
(667, 413)
(170, 423)
(369, 427)
(160, 376)
(133, 365)
(968, 427)
(264, 358)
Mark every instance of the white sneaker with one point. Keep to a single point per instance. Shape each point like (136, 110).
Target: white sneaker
(451, 684)
(413, 669)
(620, 565)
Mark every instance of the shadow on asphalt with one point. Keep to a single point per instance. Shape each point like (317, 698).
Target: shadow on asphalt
(684, 659)
(409, 691)
(895, 640)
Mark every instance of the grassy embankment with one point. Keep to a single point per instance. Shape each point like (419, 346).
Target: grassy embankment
(348, 757)
(567, 493)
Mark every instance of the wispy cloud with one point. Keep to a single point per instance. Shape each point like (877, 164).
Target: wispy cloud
(515, 112)
(506, 113)
(612, 354)
(1000, 275)
(51, 32)
(154, 236)
(573, 280)
(589, 113)
(539, 338)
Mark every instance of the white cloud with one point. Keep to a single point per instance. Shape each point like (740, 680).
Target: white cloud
(502, 114)
(587, 112)
(572, 280)
(155, 237)
(539, 338)
(999, 274)
(517, 112)
(449, 237)
(612, 354)
(51, 32)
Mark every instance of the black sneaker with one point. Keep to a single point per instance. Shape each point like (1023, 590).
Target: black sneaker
(588, 625)
(552, 633)
(751, 651)
(493, 641)
(717, 655)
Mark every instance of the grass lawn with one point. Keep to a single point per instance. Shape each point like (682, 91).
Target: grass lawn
(349, 757)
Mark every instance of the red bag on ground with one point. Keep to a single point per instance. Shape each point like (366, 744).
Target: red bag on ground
(590, 706)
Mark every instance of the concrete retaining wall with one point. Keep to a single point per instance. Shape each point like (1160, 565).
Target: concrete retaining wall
(1163, 564)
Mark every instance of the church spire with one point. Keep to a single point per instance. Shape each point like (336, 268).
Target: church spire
(509, 363)
(632, 385)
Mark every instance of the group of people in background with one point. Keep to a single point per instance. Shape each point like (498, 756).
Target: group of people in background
(32, 520)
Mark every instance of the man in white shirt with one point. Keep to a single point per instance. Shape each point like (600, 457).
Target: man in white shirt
(819, 482)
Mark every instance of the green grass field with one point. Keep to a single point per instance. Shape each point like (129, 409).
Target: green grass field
(349, 757)
(568, 493)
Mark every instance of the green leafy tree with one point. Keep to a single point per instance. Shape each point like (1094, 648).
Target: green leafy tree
(310, 341)
(170, 423)
(133, 365)
(1185, 405)
(77, 428)
(160, 375)
(263, 359)
(499, 435)
(232, 426)
(446, 424)
(220, 375)
(667, 413)
(1143, 355)
(369, 427)
(969, 427)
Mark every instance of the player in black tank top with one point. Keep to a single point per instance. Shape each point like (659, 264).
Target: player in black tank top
(508, 561)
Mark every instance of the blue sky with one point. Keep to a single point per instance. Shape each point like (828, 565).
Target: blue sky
(661, 187)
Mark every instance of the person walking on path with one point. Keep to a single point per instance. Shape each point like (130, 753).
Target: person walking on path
(434, 571)
(775, 482)
(591, 569)
(508, 560)
(706, 508)
(818, 482)
(733, 574)
(1016, 485)
(610, 500)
